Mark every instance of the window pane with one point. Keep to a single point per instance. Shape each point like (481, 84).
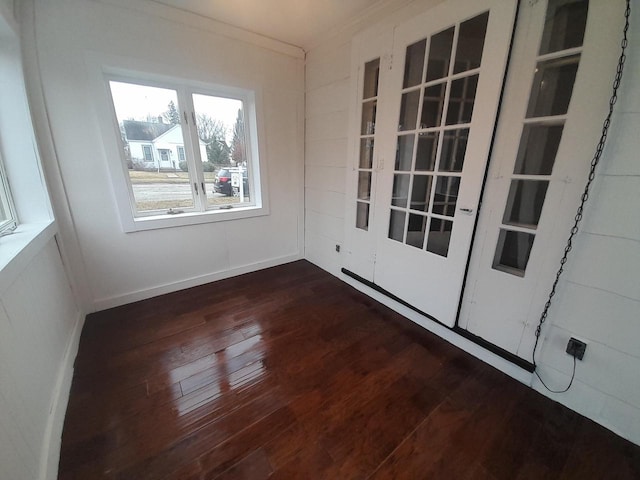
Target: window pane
(368, 118)
(439, 236)
(426, 154)
(446, 196)
(414, 60)
(421, 192)
(400, 190)
(416, 230)
(371, 72)
(409, 110)
(512, 252)
(404, 152)
(366, 153)
(439, 55)
(538, 148)
(364, 185)
(564, 26)
(362, 216)
(524, 203)
(223, 149)
(151, 133)
(461, 100)
(396, 225)
(432, 105)
(454, 147)
(553, 86)
(471, 43)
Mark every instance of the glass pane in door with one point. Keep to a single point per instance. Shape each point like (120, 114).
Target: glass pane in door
(446, 196)
(471, 43)
(432, 105)
(396, 225)
(366, 153)
(409, 110)
(416, 229)
(524, 203)
(404, 152)
(421, 192)
(461, 100)
(371, 74)
(414, 62)
(439, 236)
(553, 86)
(439, 55)
(454, 148)
(538, 148)
(368, 126)
(564, 25)
(513, 251)
(427, 149)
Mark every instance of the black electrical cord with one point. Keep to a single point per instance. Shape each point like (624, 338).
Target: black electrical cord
(584, 198)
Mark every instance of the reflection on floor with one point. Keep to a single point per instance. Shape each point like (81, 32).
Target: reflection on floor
(290, 373)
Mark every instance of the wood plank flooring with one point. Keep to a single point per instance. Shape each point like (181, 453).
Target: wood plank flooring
(290, 373)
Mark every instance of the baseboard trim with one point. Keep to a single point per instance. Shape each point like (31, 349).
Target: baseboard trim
(111, 302)
(60, 398)
(518, 373)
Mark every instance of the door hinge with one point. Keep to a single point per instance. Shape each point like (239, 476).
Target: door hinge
(380, 165)
(186, 121)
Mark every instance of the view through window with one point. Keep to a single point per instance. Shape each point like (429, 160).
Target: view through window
(184, 151)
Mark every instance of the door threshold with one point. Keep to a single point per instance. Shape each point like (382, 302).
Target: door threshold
(501, 352)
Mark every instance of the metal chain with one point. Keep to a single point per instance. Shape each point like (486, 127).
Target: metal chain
(585, 194)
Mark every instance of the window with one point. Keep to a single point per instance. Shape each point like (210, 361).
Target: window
(8, 219)
(147, 153)
(181, 156)
(186, 152)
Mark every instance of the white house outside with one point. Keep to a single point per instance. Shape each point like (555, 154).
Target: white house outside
(157, 145)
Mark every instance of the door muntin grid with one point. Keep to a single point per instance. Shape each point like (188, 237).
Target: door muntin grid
(550, 95)
(433, 128)
(365, 165)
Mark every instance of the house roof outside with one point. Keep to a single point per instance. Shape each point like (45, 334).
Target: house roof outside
(145, 131)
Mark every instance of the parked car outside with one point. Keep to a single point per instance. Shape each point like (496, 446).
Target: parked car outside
(224, 181)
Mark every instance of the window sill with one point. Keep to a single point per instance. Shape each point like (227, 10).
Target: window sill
(19, 248)
(131, 224)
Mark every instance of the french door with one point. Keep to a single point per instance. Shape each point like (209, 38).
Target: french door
(421, 141)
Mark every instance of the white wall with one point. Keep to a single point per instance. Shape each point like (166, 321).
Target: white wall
(40, 320)
(39, 329)
(600, 299)
(72, 37)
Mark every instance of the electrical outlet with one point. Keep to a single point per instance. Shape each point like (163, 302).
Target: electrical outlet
(576, 348)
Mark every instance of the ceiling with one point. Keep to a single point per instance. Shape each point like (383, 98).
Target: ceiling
(297, 22)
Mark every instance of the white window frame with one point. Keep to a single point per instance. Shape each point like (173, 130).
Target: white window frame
(10, 223)
(182, 155)
(133, 221)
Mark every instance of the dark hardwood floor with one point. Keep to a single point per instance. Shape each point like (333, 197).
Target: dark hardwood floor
(290, 373)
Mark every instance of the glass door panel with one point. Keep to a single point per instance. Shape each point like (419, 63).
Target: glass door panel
(439, 145)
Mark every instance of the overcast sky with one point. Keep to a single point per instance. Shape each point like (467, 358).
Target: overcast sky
(137, 101)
